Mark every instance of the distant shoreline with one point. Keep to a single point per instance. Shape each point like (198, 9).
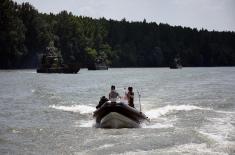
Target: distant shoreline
(128, 68)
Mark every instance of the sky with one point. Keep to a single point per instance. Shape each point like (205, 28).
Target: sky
(218, 15)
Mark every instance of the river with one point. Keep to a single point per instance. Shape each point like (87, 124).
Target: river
(192, 111)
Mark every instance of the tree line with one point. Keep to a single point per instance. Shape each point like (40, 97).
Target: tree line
(25, 33)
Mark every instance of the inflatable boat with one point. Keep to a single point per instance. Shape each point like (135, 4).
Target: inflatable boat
(118, 115)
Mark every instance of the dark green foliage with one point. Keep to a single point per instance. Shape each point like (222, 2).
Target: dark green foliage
(25, 33)
(12, 35)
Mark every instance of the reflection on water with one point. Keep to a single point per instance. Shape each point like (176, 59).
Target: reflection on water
(192, 111)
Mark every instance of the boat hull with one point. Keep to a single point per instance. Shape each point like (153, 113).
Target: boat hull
(118, 115)
(115, 120)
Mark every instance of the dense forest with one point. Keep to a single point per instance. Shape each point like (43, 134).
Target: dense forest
(25, 33)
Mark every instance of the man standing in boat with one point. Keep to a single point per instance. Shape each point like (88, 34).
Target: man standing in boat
(130, 97)
(113, 95)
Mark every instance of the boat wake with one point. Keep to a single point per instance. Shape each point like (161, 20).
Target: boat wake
(220, 132)
(157, 126)
(157, 121)
(156, 113)
(82, 109)
(85, 123)
(188, 149)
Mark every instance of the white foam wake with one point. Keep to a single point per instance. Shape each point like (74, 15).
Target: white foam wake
(157, 126)
(155, 113)
(185, 149)
(85, 124)
(82, 109)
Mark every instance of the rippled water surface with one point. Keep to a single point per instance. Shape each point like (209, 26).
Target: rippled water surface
(192, 111)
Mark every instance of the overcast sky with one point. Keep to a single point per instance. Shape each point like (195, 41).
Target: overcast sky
(209, 14)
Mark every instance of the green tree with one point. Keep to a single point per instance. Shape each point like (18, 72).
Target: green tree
(12, 35)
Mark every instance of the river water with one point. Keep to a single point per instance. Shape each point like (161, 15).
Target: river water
(192, 111)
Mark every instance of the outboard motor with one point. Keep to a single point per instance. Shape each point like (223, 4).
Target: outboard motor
(103, 99)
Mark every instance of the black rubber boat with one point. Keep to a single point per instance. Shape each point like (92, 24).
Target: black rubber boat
(118, 115)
